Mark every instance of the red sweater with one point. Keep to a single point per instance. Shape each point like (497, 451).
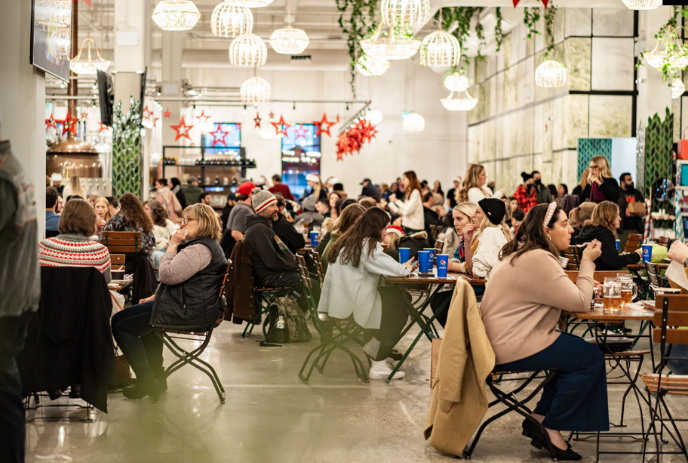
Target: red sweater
(282, 189)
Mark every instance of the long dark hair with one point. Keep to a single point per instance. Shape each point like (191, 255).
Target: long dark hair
(348, 217)
(531, 234)
(414, 184)
(367, 228)
(159, 212)
(134, 213)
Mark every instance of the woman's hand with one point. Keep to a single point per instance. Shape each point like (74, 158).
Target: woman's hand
(639, 251)
(148, 299)
(178, 237)
(678, 252)
(409, 265)
(468, 232)
(593, 250)
(392, 198)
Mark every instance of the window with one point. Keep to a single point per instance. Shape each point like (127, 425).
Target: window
(300, 156)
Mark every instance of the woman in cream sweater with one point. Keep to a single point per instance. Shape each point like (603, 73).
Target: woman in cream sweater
(412, 208)
(527, 291)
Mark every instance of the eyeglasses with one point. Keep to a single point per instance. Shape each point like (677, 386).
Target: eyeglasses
(594, 167)
(186, 221)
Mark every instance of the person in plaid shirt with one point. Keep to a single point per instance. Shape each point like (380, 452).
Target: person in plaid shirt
(526, 194)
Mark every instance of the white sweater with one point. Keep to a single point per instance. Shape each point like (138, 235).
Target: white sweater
(348, 289)
(476, 194)
(486, 256)
(411, 210)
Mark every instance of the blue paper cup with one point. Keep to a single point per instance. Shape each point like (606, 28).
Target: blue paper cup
(423, 257)
(404, 255)
(314, 238)
(618, 242)
(442, 265)
(431, 259)
(647, 253)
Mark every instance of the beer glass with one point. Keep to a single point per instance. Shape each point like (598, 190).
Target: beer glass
(629, 290)
(611, 296)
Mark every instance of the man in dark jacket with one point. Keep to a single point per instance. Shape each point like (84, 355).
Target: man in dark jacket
(369, 189)
(543, 194)
(631, 222)
(285, 230)
(192, 192)
(431, 217)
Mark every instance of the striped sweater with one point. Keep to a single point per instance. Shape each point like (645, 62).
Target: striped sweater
(75, 251)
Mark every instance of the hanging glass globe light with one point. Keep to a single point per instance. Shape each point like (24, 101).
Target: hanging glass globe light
(289, 41)
(414, 122)
(204, 120)
(270, 133)
(230, 20)
(374, 117)
(463, 102)
(176, 15)
(456, 82)
(412, 14)
(642, 4)
(677, 88)
(386, 43)
(88, 65)
(550, 74)
(255, 90)
(371, 66)
(248, 50)
(440, 49)
(251, 3)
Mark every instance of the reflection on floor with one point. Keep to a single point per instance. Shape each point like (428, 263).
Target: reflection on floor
(270, 416)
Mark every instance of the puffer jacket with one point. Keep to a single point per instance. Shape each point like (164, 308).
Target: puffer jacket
(193, 304)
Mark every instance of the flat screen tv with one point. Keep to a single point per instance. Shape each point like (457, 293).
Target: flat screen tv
(51, 36)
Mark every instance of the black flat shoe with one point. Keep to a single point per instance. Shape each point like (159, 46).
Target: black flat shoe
(142, 388)
(532, 431)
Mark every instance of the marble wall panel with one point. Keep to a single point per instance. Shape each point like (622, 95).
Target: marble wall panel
(557, 122)
(511, 87)
(540, 38)
(577, 52)
(537, 163)
(684, 118)
(575, 119)
(518, 43)
(494, 97)
(525, 131)
(490, 140)
(676, 109)
(514, 127)
(577, 21)
(545, 170)
(559, 25)
(506, 51)
(610, 116)
(480, 70)
(526, 81)
(546, 130)
(498, 128)
(569, 168)
(537, 129)
(612, 64)
(530, 46)
(491, 65)
(555, 176)
(474, 136)
(612, 21)
(499, 93)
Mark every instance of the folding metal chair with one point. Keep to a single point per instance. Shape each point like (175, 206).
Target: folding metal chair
(185, 357)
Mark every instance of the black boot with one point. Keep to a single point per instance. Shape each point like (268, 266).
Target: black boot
(143, 387)
(161, 377)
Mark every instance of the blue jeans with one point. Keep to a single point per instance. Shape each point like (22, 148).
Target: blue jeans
(134, 335)
(576, 399)
(679, 367)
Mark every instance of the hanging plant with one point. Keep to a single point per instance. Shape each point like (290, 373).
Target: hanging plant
(457, 21)
(499, 35)
(674, 58)
(549, 29)
(530, 19)
(357, 26)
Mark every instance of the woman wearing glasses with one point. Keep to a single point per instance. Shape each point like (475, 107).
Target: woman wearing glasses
(191, 273)
(601, 184)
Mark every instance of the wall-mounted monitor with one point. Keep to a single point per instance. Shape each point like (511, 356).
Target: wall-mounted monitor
(51, 36)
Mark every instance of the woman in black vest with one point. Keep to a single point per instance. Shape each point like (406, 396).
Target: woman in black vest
(191, 273)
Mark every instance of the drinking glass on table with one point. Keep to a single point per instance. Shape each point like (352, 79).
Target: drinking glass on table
(611, 295)
(629, 290)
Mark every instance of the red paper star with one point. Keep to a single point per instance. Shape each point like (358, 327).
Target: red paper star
(167, 114)
(257, 120)
(146, 113)
(88, 2)
(51, 122)
(69, 124)
(202, 119)
(182, 130)
(272, 115)
(155, 121)
(281, 125)
(84, 115)
(320, 124)
(102, 127)
(301, 132)
(216, 135)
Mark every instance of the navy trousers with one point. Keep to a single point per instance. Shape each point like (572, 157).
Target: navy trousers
(134, 335)
(576, 400)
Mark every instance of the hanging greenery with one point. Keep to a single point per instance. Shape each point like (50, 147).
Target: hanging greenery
(357, 26)
(549, 29)
(530, 19)
(670, 62)
(499, 35)
(457, 21)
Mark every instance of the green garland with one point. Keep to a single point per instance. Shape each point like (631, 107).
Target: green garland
(668, 34)
(499, 34)
(356, 27)
(530, 19)
(458, 21)
(549, 29)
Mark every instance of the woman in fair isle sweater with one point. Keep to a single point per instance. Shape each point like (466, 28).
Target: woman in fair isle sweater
(73, 247)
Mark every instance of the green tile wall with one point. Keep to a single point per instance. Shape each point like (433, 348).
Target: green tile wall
(126, 150)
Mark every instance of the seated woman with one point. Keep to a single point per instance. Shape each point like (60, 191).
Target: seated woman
(133, 218)
(578, 216)
(284, 229)
(357, 258)
(163, 228)
(602, 227)
(194, 264)
(346, 220)
(73, 247)
(391, 240)
(102, 208)
(528, 289)
(448, 236)
(494, 234)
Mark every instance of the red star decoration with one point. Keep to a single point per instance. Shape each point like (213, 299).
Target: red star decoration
(88, 2)
(84, 115)
(338, 118)
(216, 135)
(257, 120)
(155, 121)
(320, 125)
(272, 115)
(51, 122)
(182, 130)
(516, 3)
(69, 124)
(146, 113)
(301, 132)
(102, 127)
(167, 114)
(281, 125)
(202, 119)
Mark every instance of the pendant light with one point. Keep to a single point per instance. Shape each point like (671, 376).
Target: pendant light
(176, 15)
(405, 14)
(248, 50)
(230, 20)
(374, 117)
(464, 102)
(456, 82)
(414, 122)
(288, 40)
(440, 49)
(387, 44)
(251, 3)
(642, 4)
(550, 74)
(371, 66)
(255, 90)
(88, 65)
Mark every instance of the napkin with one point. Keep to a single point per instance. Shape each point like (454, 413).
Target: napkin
(677, 274)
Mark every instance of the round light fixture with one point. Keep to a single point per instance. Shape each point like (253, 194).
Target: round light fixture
(463, 102)
(176, 15)
(677, 88)
(642, 4)
(414, 122)
(456, 82)
(440, 49)
(388, 44)
(88, 65)
(255, 90)
(374, 117)
(248, 50)
(251, 3)
(204, 120)
(230, 20)
(270, 133)
(371, 66)
(412, 14)
(289, 41)
(550, 74)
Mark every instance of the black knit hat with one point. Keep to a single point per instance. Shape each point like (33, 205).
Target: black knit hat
(526, 176)
(494, 209)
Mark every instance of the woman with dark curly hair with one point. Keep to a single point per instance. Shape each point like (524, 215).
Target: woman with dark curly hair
(133, 218)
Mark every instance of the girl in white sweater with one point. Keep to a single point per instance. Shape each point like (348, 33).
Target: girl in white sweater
(474, 187)
(412, 208)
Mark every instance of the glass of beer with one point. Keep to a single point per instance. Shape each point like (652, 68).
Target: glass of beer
(611, 296)
(629, 290)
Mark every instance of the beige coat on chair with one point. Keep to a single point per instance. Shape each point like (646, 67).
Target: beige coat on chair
(459, 399)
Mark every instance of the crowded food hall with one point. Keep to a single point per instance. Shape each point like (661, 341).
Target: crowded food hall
(343, 230)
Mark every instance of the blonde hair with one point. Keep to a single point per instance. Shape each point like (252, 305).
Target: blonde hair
(470, 180)
(603, 166)
(393, 241)
(581, 214)
(76, 188)
(208, 224)
(502, 226)
(467, 209)
(102, 199)
(584, 178)
(604, 215)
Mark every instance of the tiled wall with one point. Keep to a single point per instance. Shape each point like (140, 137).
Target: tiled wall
(518, 126)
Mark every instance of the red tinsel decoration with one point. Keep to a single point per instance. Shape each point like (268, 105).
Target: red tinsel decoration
(352, 140)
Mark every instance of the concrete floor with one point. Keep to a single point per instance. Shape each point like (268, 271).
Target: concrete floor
(271, 416)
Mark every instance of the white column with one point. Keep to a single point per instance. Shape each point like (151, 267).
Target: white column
(22, 98)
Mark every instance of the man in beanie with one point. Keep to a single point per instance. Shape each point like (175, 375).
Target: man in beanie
(274, 265)
(192, 192)
(237, 218)
(309, 215)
